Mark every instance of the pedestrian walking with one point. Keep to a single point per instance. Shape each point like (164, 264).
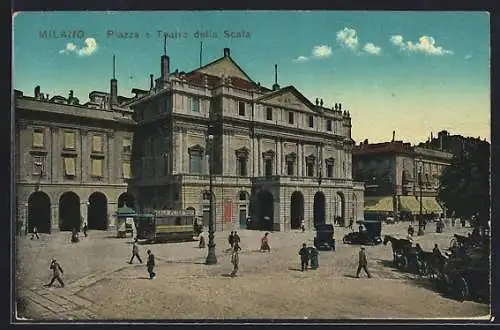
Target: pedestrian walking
(201, 243)
(351, 222)
(56, 273)
(35, 233)
(85, 228)
(314, 254)
(135, 252)
(236, 238)
(264, 246)
(303, 225)
(235, 259)
(230, 239)
(362, 263)
(304, 257)
(411, 231)
(151, 265)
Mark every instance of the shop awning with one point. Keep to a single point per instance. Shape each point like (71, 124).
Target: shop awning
(431, 205)
(409, 204)
(379, 204)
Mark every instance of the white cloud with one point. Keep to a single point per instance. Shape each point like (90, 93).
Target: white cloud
(397, 40)
(467, 57)
(301, 59)
(425, 44)
(321, 51)
(88, 49)
(348, 38)
(372, 49)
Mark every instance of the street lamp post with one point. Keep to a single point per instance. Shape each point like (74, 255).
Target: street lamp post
(420, 220)
(211, 257)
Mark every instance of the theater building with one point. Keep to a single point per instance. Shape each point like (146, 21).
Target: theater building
(277, 157)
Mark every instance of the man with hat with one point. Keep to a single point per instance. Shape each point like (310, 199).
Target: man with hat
(362, 263)
(56, 273)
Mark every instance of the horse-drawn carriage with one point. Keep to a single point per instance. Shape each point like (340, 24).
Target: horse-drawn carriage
(324, 237)
(370, 235)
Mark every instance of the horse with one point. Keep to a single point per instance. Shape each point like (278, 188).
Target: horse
(398, 245)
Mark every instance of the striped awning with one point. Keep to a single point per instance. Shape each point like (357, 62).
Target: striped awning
(431, 205)
(409, 204)
(379, 204)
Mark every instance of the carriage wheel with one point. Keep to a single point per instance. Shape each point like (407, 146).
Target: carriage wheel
(421, 268)
(345, 241)
(461, 289)
(404, 262)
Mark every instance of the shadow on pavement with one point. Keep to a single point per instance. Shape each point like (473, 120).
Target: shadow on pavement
(227, 275)
(143, 278)
(350, 276)
(295, 269)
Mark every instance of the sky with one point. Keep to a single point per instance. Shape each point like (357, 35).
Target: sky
(409, 72)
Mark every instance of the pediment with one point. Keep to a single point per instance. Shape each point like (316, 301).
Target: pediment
(224, 67)
(288, 97)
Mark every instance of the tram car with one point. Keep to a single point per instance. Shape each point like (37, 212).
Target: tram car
(162, 226)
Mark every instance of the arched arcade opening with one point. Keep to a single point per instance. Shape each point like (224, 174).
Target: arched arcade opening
(39, 212)
(266, 211)
(126, 199)
(97, 211)
(69, 212)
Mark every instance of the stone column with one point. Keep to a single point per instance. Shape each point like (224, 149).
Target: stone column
(259, 155)
(113, 170)
(299, 159)
(179, 144)
(278, 158)
(83, 158)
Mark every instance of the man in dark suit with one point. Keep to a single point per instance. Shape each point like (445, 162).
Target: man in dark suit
(362, 263)
(56, 273)
(304, 257)
(151, 265)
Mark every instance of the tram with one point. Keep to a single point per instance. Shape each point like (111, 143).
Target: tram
(166, 225)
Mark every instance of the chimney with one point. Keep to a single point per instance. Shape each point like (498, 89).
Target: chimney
(340, 106)
(165, 60)
(37, 92)
(431, 137)
(441, 142)
(227, 52)
(151, 84)
(321, 102)
(317, 101)
(114, 86)
(276, 86)
(70, 97)
(393, 136)
(336, 106)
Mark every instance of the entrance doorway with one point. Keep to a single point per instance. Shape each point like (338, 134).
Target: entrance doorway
(266, 210)
(319, 208)
(296, 209)
(126, 199)
(39, 212)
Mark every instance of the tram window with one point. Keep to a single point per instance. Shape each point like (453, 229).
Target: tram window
(178, 221)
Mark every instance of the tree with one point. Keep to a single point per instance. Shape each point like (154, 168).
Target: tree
(465, 184)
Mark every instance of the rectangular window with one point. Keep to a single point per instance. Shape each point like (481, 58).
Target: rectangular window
(311, 121)
(126, 169)
(242, 167)
(310, 169)
(329, 170)
(96, 164)
(195, 163)
(39, 165)
(97, 143)
(329, 125)
(69, 167)
(241, 108)
(289, 168)
(127, 144)
(269, 113)
(268, 167)
(195, 104)
(69, 140)
(290, 118)
(165, 164)
(38, 138)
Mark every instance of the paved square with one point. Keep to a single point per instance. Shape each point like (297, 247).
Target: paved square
(100, 284)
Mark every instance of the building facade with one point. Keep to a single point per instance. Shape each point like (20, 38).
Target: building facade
(276, 157)
(72, 161)
(397, 175)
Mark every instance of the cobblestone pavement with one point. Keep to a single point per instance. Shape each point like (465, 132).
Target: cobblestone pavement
(100, 284)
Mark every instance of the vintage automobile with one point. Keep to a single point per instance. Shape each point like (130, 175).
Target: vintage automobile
(324, 237)
(370, 236)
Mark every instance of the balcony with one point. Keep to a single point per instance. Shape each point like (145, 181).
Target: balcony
(303, 181)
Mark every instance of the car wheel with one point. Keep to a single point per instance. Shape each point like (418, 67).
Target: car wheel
(461, 289)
